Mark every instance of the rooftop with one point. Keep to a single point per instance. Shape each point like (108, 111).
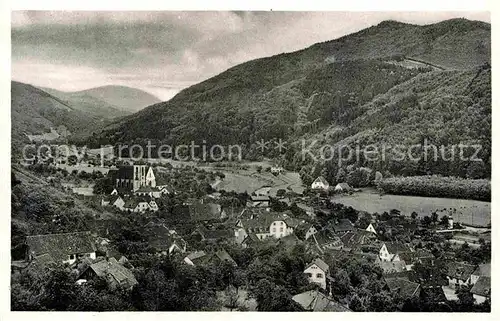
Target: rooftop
(59, 246)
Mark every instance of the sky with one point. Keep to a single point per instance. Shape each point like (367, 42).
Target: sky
(162, 52)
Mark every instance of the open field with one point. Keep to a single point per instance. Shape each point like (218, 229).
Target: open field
(467, 211)
(249, 181)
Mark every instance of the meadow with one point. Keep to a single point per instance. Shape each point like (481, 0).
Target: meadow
(471, 212)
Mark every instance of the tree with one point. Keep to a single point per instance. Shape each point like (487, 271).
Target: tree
(259, 169)
(414, 215)
(434, 217)
(281, 192)
(426, 221)
(341, 175)
(102, 186)
(444, 220)
(272, 297)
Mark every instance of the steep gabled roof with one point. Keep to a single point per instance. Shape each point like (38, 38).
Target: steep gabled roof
(482, 286)
(483, 270)
(460, 271)
(403, 287)
(316, 301)
(59, 246)
(322, 180)
(342, 225)
(325, 238)
(353, 239)
(319, 263)
(397, 247)
(119, 273)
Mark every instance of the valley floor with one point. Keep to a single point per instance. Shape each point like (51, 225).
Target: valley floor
(471, 212)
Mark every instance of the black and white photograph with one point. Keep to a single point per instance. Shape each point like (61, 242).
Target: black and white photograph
(250, 161)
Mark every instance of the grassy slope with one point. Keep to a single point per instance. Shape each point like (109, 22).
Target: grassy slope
(34, 111)
(39, 208)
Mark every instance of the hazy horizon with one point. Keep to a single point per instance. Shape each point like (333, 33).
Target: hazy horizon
(164, 52)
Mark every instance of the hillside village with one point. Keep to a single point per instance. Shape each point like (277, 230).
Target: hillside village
(304, 219)
(405, 263)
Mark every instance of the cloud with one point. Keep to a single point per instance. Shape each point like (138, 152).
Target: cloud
(164, 51)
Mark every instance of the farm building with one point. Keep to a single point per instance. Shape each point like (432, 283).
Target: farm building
(320, 183)
(343, 188)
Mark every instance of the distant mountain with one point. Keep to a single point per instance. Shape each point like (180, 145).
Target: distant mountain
(87, 103)
(120, 97)
(378, 78)
(36, 112)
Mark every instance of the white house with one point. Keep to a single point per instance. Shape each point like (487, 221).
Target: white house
(265, 226)
(390, 251)
(320, 183)
(139, 205)
(371, 229)
(277, 169)
(317, 272)
(148, 191)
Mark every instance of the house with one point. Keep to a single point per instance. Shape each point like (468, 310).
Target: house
(459, 273)
(341, 226)
(481, 291)
(62, 248)
(306, 230)
(113, 200)
(214, 235)
(482, 270)
(316, 301)
(424, 257)
(140, 205)
(403, 288)
(250, 240)
(132, 177)
(117, 275)
(202, 258)
(201, 211)
(258, 201)
(317, 271)
(306, 208)
(271, 225)
(353, 240)
(390, 251)
(193, 257)
(370, 228)
(320, 183)
(389, 267)
(164, 240)
(325, 240)
(148, 191)
(277, 169)
(343, 188)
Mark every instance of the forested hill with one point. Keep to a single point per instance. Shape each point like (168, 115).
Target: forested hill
(332, 84)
